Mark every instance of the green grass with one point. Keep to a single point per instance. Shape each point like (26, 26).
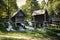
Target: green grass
(43, 33)
(51, 32)
(37, 34)
(3, 38)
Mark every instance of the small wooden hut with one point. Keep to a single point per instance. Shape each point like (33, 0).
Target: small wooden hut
(18, 17)
(54, 21)
(39, 16)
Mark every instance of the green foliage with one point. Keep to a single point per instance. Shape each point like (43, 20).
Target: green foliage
(2, 8)
(50, 9)
(56, 7)
(53, 7)
(9, 7)
(43, 3)
(29, 7)
(12, 7)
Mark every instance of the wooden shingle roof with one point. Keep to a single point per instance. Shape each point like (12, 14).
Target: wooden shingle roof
(18, 13)
(38, 12)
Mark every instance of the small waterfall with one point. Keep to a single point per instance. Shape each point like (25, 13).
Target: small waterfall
(10, 27)
(29, 26)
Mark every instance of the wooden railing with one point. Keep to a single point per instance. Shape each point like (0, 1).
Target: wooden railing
(55, 24)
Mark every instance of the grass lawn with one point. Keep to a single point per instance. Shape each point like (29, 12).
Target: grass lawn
(9, 38)
(42, 33)
(48, 33)
(34, 34)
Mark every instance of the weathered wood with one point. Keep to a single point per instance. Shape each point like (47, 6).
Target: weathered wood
(18, 17)
(39, 17)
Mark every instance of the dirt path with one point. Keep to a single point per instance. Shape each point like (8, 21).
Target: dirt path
(17, 37)
(27, 38)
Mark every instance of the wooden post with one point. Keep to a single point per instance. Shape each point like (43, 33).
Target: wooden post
(15, 22)
(34, 22)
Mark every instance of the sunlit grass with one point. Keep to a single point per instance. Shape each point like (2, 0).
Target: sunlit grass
(4, 38)
(37, 34)
(42, 33)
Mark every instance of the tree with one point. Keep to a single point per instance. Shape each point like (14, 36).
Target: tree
(43, 3)
(2, 6)
(53, 7)
(29, 7)
(9, 7)
(56, 7)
